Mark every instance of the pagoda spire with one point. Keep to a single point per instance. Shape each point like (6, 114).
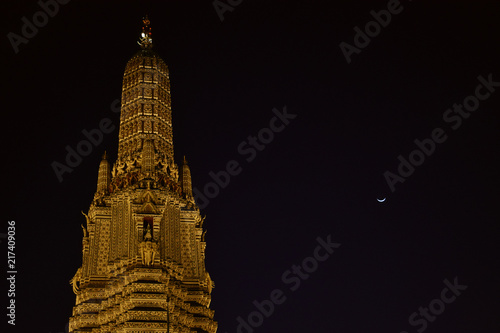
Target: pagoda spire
(145, 112)
(187, 186)
(104, 175)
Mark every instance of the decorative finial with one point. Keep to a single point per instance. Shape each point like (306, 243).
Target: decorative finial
(146, 42)
(185, 160)
(105, 156)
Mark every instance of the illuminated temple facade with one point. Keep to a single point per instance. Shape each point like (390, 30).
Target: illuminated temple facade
(143, 266)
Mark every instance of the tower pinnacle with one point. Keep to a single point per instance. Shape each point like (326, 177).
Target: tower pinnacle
(146, 42)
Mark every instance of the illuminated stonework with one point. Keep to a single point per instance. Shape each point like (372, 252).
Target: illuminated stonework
(143, 267)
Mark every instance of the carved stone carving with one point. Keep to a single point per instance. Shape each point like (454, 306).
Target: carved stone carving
(75, 281)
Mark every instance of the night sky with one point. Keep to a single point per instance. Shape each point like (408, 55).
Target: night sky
(351, 121)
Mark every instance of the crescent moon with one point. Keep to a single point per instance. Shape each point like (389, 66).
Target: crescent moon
(381, 200)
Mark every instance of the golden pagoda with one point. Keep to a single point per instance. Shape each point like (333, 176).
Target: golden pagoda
(143, 266)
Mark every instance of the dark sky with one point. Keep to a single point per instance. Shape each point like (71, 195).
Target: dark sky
(319, 176)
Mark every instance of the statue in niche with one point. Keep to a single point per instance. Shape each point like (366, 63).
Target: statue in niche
(148, 248)
(147, 236)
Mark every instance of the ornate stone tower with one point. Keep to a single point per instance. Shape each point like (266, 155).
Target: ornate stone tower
(143, 267)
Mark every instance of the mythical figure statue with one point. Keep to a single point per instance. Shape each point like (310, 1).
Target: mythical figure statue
(148, 251)
(130, 163)
(174, 173)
